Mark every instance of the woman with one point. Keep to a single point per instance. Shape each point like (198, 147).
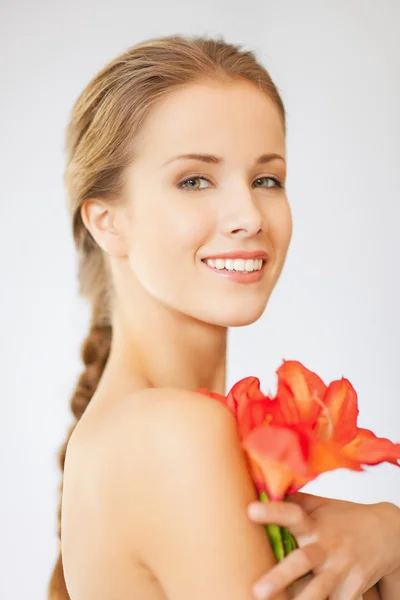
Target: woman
(173, 250)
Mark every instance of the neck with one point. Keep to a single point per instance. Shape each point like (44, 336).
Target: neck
(166, 348)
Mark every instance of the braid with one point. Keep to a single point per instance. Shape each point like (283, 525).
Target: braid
(94, 353)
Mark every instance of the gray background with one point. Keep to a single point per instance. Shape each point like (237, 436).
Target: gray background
(336, 306)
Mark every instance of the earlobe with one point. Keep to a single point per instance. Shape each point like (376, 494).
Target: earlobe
(99, 218)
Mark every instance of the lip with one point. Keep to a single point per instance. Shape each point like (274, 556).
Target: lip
(240, 254)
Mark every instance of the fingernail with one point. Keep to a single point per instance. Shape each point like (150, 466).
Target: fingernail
(263, 590)
(255, 511)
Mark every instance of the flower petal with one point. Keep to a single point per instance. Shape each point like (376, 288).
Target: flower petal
(327, 456)
(252, 415)
(298, 391)
(278, 458)
(245, 391)
(367, 448)
(341, 403)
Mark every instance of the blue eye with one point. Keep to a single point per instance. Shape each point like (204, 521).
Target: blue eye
(182, 184)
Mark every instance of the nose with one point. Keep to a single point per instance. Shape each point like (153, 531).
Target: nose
(244, 217)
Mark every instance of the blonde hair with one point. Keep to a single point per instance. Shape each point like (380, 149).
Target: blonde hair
(105, 119)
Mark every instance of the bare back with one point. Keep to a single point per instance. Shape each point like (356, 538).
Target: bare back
(96, 562)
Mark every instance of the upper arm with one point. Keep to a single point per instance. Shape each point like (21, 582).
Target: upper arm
(185, 487)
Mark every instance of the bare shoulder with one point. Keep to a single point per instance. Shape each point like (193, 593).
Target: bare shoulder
(150, 426)
(154, 416)
(162, 403)
(173, 470)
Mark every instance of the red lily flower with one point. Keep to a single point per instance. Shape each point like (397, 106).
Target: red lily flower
(306, 429)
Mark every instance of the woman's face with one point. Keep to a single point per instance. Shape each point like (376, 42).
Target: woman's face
(180, 211)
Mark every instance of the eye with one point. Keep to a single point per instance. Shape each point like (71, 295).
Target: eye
(274, 179)
(182, 185)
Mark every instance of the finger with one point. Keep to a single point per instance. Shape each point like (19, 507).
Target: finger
(308, 502)
(285, 514)
(319, 588)
(350, 588)
(292, 567)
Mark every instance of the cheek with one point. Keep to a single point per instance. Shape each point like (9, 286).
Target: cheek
(280, 233)
(165, 238)
(177, 233)
(280, 229)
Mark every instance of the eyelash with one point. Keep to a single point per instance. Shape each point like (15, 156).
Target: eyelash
(278, 183)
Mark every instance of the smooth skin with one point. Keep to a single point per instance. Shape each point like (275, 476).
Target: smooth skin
(165, 463)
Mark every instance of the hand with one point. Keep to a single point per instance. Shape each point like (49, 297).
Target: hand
(348, 546)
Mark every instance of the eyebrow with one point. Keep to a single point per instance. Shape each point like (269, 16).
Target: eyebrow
(216, 160)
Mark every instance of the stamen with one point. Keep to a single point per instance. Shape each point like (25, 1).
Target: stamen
(326, 414)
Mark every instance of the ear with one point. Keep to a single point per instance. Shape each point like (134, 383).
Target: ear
(100, 218)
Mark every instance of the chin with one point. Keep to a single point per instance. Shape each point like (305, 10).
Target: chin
(235, 316)
(243, 320)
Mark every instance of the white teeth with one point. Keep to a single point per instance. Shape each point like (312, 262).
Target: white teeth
(237, 264)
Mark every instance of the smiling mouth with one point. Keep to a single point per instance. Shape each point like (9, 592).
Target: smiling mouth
(239, 276)
(260, 265)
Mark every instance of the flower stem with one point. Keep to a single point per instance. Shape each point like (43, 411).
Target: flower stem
(288, 540)
(274, 534)
(280, 538)
(289, 543)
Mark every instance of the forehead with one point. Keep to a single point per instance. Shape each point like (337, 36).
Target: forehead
(212, 117)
